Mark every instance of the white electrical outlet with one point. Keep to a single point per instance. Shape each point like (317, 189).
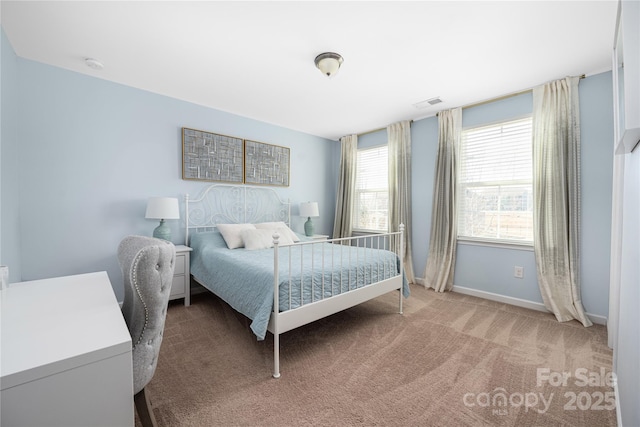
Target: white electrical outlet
(518, 272)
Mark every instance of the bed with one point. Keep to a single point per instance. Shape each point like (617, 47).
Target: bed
(245, 253)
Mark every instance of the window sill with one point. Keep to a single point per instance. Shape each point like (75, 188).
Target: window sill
(496, 244)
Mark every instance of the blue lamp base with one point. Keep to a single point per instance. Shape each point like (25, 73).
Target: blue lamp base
(308, 227)
(163, 231)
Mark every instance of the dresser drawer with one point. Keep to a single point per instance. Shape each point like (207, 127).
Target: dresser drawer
(178, 285)
(180, 264)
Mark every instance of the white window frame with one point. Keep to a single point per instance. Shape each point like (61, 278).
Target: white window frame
(483, 240)
(356, 227)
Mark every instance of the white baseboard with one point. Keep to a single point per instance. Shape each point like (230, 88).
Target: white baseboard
(597, 319)
(501, 298)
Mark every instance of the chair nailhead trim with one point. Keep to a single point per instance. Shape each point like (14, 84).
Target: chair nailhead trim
(135, 284)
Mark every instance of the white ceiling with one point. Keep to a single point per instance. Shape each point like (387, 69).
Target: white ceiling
(255, 59)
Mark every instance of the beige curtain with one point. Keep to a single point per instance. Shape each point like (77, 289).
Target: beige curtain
(556, 188)
(343, 222)
(399, 146)
(441, 258)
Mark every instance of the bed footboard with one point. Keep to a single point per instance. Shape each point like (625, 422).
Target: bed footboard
(331, 276)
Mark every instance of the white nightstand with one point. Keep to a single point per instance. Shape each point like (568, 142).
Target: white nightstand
(319, 237)
(181, 286)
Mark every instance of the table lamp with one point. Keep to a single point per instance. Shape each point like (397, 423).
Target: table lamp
(309, 209)
(162, 208)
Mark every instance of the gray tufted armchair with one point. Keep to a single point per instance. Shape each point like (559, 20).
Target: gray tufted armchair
(147, 266)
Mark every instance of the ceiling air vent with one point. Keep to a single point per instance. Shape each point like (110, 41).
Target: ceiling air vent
(424, 104)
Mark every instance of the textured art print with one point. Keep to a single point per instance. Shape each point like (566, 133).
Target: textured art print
(211, 157)
(266, 164)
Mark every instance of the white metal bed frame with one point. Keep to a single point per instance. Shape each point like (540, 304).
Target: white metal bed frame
(221, 203)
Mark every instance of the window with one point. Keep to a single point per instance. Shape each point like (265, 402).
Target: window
(495, 191)
(372, 190)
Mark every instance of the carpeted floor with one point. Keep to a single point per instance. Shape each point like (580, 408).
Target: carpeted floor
(449, 360)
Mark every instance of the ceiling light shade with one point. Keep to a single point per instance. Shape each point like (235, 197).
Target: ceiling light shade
(329, 63)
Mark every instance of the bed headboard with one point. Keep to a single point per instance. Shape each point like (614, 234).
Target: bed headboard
(233, 204)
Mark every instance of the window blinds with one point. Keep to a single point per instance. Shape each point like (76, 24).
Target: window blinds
(372, 167)
(495, 182)
(372, 190)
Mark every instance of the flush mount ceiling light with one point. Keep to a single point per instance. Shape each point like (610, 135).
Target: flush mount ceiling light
(329, 63)
(93, 64)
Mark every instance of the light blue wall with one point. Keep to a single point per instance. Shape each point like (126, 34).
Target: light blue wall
(91, 152)
(424, 150)
(9, 166)
(373, 139)
(596, 127)
(490, 269)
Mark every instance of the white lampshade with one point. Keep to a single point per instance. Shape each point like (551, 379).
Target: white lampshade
(309, 209)
(162, 208)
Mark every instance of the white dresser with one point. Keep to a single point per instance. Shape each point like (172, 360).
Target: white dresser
(65, 355)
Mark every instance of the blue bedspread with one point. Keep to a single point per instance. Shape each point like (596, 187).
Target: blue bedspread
(244, 279)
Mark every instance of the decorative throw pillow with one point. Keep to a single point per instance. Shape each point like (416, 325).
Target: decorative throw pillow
(276, 225)
(232, 234)
(262, 238)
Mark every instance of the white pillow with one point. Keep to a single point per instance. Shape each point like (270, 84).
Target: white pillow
(231, 233)
(262, 238)
(277, 225)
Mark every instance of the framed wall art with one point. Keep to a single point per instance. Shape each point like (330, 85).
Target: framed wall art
(209, 156)
(266, 164)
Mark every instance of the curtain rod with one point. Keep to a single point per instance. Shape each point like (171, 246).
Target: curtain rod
(371, 131)
(500, 98)
(375, 130)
